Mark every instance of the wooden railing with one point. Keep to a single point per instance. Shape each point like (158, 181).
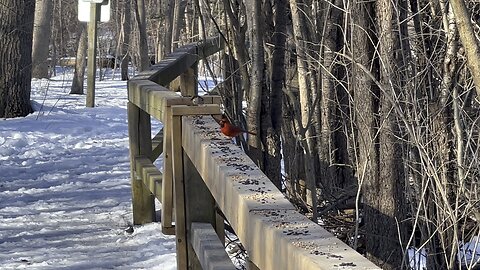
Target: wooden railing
(204, 171)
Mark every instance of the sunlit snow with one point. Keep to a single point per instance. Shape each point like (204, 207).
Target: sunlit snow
(65, 199)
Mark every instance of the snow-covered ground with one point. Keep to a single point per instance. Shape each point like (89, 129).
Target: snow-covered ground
(65, 198)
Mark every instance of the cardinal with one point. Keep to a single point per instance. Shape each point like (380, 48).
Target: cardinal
(230, 130)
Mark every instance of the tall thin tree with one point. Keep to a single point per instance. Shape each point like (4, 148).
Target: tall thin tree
(41, 38)
(80, 62)
(141, 18)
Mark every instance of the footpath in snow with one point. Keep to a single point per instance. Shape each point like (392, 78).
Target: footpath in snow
(65, 186)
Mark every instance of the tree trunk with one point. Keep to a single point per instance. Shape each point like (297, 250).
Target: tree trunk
(240, 51)
(41, 38)
(306, 104)
(140, 17)
(330, 137)
(384, 192)
(257, 80)
(16, 33)
(293, 157)
(277, 78)
(126, 29)
(80, 62)
(166, 47)
(365, 99)
(470, 42)
(178, 11)
(445, 240)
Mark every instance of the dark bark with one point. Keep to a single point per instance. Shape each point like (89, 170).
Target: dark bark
(332, 147)
(126, 21)
(238, 38)
(257, 79)
(277, 79)
(384, 193)
(140, 17)
(16, 33)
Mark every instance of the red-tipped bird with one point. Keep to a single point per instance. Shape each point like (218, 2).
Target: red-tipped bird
(230, 130)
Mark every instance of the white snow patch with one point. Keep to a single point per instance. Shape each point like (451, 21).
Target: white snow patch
(65, 198)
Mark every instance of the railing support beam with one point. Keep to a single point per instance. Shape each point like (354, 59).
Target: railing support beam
(193, 201)
(209, 249)
(139, 129)
(167, 183)
(157, 145)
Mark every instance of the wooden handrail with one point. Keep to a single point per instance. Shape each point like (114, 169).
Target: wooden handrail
(202, 168)
(276, 235)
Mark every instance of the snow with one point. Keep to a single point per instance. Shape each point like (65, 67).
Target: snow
(418, 258)
(65, 199)
(469, 253)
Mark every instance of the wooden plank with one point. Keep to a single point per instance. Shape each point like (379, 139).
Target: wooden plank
(210, 46)
(167, 183)
(275, 234)
(157, 145)
(151, 176)
(199, 205)
(179, 193)
(150, 97)
(205, 109)
(173, 65)
(188, 100)
(209, 249)
(183, 58)
(142, 200)
(154, 99)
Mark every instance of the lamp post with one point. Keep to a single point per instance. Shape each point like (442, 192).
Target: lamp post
(92, 53)
(92, 15)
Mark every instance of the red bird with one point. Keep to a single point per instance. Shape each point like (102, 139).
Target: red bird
(230, 130)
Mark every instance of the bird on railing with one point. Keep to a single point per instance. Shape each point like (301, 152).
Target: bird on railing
(230, 130)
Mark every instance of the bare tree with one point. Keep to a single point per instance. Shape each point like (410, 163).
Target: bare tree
(277, 86)
(257, 79)
(80, 61)
(140, 17)
(307, 100)
(125, 38)
(41, 38)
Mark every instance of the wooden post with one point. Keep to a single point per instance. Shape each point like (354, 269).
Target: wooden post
(167, 183)
(188, 82)
(193, 201)
(179, 192)
(139, 130)
(92, 53)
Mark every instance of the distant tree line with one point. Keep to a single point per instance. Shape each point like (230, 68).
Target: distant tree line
(363, 107)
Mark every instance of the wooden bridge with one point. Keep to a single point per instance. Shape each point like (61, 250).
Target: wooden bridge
(204, 172)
